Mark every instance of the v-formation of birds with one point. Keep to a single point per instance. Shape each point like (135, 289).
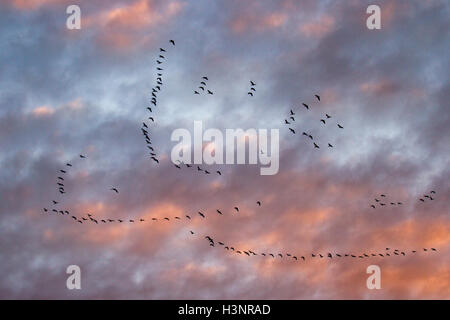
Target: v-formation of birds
(290, 121)
(153, 155)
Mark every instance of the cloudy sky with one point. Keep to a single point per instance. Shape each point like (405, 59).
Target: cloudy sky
(70, 92)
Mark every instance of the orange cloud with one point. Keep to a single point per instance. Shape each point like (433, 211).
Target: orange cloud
(382, 86)
(122, 26)
(253, 22)
(318, 28)
(42, 111)
(33, 4)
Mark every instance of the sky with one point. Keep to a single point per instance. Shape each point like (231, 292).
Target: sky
(70, 92)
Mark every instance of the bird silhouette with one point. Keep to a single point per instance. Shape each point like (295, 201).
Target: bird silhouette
(305, 105)
(292, 130)
(115, 190)
(317, 96)
(340, 127)
(172, 42)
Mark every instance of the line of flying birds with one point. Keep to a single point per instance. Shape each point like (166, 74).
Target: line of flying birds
(383, 200)
(281, 255)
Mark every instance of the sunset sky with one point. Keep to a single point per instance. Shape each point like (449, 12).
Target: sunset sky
(69, 92)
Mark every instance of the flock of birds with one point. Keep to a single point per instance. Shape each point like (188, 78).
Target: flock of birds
(202, 86)
(89, 218)
(291, 119)
(296, 257)
(382, 201)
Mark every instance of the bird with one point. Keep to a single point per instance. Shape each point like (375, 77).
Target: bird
(219, 212)
(68, 164)
(339, 126)
(373, 206)
(63, 171)
(192, 232)
(286, 122)
(305, 105)
(210, 92)
(422, 200)
(172, 42)
(166, 219)
(252, 83)
(45, 210)
(432, 191)
(201, 214)
(205, 78)
(154, 159)
(330, 145)
(253, 89)
(258, 203)
(317, 96)
(196, 92)
(382, 195)
(328, 116)
(316, 146)
(218, 172)
(322, 120)
(115, 190)
(250, 93)
(81, 156)
(162, 50)
(236, 208)
(55, 202)
(292, 130)
(151, 118)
